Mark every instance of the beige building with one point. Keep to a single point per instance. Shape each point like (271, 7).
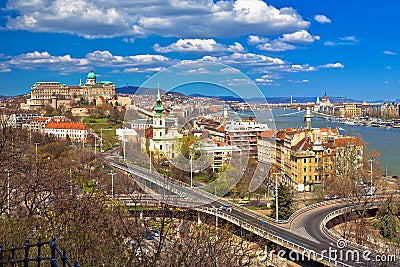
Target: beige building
(307, 157)
(348, 110)
(55, 93)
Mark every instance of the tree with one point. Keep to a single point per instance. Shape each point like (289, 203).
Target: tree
(284, 203)
(389, 222)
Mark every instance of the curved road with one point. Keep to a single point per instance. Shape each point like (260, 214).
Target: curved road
(305, 230)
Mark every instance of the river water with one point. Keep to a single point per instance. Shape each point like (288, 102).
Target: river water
(385, 140)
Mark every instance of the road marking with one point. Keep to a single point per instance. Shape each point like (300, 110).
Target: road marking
(303, 233)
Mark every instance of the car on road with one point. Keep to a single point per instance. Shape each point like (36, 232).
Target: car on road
(149, 236)
(226, 207)
(182, 195)
(155, 232)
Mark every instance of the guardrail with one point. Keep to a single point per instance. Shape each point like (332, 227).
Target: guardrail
(277, 239)
(9, 257)
(335, 236)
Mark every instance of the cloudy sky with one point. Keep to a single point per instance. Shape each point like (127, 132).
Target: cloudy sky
(300, 48)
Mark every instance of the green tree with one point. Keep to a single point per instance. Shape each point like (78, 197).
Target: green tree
(284, 203)
(389, 221)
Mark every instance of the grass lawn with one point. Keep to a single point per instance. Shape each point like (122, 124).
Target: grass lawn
(109, 136)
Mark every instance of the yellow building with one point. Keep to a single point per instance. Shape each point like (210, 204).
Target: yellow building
(307, 157)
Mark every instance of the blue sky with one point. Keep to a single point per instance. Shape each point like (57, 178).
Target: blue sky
(299, 48)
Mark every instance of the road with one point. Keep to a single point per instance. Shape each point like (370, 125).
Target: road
(303, 233)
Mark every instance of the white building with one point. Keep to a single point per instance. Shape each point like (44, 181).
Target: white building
(75, 131)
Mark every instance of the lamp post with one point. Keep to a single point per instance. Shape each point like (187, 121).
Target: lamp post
(112, 182)
(150, 159)
(216, 223)
(8, 190)
(124, 141)
(36, 144)
(70, 181)
(191, 170)
(371, 160)
(276, 196)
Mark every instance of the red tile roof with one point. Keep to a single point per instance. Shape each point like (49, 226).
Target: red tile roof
(66, 125)
(344, 141)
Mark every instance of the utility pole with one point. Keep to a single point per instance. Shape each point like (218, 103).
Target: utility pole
(112, 182)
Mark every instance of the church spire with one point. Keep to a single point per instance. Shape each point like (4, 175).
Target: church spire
(158, 109)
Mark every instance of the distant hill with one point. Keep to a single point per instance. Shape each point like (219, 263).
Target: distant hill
(271, 100)
(136, 90)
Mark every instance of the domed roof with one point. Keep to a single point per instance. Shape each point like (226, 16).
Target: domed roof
(91, 75)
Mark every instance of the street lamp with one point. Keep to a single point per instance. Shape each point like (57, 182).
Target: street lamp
(216, 223)
(112, 182)
(276, 196)
(191, 170)
(371, 160)
(36, 144)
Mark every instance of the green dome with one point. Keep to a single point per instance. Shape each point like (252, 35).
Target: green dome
(91, 75)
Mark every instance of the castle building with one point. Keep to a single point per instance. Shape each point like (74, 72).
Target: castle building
(56, 94)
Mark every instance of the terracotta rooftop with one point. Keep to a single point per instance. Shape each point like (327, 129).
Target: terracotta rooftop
(66, 125)
(344, 141)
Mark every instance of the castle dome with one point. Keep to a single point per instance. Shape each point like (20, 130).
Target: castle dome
(91, 75)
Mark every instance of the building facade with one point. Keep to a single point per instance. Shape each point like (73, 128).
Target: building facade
(55, 93)
(75, 131)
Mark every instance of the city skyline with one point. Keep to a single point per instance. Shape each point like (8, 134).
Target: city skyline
(285, 47)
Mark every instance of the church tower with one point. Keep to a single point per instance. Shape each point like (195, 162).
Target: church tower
(158, 123)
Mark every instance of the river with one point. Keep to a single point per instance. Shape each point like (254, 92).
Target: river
(385, 140)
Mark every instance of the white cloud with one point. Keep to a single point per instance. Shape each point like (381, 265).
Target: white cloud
(198, 71)
(332, 66)
(283, 43)
(198, 46)
(275, 46)
(389, 53)
(67, 64)
(299, 81)
(254, 39)
(182, 19)
(299, 37)
(322, 19)
(128, 40)
(347, 40)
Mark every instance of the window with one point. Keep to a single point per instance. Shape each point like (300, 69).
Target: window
(160, 122)
(305, 169)
(305, 160)
(160, 133)
(160, 147)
